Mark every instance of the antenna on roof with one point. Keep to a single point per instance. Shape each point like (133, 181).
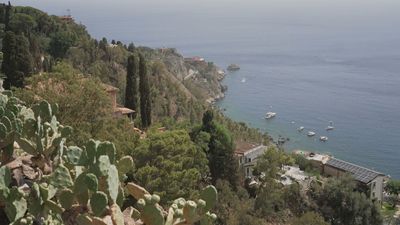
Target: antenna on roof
(68, 12)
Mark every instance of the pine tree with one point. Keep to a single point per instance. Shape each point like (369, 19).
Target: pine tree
(131, 47)
(144, 89)
(220, 154)
(131, 92)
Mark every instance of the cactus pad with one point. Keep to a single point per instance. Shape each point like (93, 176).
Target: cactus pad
(98, 203)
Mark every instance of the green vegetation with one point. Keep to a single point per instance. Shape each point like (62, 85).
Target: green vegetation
(105, 166)
(220, 150)
(17, 60)
(131, 92)
(310, 218)
(72, 177)
(341, 205)
(144, 90)
(170, 164)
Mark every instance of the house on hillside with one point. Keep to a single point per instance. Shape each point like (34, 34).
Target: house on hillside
(118, 111)
(66, 18)
(195, 59)
(247, 154)
(369, 181)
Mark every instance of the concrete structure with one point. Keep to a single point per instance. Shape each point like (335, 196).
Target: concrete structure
(248, 154)
(118, 111)
(370, 181)
(195, 59)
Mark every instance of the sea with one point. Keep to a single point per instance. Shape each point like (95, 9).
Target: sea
(313, 62)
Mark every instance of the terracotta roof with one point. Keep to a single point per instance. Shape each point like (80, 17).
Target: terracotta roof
(243, 147)
(109, 88)
(123, 110)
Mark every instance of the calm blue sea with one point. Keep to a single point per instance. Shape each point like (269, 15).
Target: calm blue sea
(310, 61)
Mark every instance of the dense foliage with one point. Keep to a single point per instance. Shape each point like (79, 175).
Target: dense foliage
(170, 164)
(341, 205)
(57, 183)
(144, 90)
(131, 92)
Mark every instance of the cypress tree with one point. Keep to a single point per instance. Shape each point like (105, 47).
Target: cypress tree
(7, 17)
(17, 60)
(24, 56)
(131, 98)
(9, 64)
(144, 89)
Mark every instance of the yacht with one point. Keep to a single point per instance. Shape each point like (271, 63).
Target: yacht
(310, 133)
(323, 138)
(270, 115)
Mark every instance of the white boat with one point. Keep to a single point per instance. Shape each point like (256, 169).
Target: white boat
(300, 128)
(323, 138)
(243, 80)
(270, 115)
(310, 133)
(330, 127)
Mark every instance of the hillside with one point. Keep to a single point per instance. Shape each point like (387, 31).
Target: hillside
(68, 158)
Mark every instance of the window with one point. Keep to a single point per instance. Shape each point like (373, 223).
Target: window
(240, 159)
(373, 194)
(248, 171)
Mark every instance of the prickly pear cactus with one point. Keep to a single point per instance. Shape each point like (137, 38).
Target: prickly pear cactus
(98, 203)
(85, 179)
(43, 134)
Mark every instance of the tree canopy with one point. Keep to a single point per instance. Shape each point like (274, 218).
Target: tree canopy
(170, 164)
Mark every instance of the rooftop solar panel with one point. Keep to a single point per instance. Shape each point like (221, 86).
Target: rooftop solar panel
(360, 173)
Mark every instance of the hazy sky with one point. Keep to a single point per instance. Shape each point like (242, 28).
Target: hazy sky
(371, 15)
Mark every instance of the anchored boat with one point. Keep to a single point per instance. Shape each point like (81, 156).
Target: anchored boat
(310, 133)
(330, 127)
(323, 138)
(270, 115)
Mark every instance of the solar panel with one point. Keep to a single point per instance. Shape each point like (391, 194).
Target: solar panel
(359, 173)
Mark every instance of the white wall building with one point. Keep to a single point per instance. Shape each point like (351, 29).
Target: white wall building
(369, 180)
(248, 155)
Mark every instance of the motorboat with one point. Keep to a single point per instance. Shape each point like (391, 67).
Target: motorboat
(300, 129)
(330, 127)
(323, 138)
(310, 133)
(243, 80)
(270, 115)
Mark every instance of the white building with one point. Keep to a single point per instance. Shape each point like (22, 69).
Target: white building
(370, 181)
(248, 154)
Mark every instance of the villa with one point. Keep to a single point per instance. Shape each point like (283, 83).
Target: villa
(369, 181)
(248, 154)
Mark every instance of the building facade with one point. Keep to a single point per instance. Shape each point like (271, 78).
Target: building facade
(370, 181)
(248, 155)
